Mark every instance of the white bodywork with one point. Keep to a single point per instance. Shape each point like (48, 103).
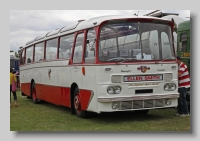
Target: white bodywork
(98, 77)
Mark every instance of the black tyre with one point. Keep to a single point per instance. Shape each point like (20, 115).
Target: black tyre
(23, 94)
(33, 93)
(28, 97)
(142, 112)
(77, 105)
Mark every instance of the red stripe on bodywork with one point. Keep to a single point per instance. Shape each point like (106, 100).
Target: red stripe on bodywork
(56, 95)
(25, 88)
(85, 98)
(64, 96)
(51, 94)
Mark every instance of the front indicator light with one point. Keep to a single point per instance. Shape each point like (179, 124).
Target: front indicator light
(110, 90)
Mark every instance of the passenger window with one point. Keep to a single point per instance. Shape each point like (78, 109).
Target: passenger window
(29, 54)
(90, 46)
(183, 42)
(110, 44)
(39, 52)
(121, 42)
(78, 50)
(66, 44)
(51, 49)
(22, 58)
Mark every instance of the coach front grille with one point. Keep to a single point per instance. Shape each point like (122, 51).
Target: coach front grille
(140, 104)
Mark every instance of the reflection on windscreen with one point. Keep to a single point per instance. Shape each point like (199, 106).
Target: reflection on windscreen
(133, 41)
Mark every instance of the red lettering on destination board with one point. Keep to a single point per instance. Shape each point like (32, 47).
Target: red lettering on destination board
(138, 78)
(148, 77)
(143, 78)
(129, 78)
(134, 78)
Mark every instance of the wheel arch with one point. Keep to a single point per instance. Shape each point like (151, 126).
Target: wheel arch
(72, 89)
(32, 81)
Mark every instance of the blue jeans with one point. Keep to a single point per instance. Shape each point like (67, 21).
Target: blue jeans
(182, 102)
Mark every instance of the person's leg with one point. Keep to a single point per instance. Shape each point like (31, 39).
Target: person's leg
(10, 94)
(15, 98)
(183, 101)
(179, 103)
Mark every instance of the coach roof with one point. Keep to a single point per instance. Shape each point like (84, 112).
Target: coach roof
(84, 24)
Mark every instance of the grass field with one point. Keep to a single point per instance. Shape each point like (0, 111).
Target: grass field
(47, 117)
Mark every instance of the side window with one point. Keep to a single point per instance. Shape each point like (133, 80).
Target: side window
(121, 42)
(110, 44)
(51, 49)
(102, 44)
(29, 54)
(78, 50)
(66, 44)
(90, 46)
(166, 48)
(132, 41)
(183, 42)
(39, 52)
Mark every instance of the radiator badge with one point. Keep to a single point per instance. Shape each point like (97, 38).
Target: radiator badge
(143, 68)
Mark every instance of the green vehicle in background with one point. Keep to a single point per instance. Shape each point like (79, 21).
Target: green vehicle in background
(183, 44)
(183, 47)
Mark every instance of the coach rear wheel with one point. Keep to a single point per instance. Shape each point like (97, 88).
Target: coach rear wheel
(22, 94)
(77, 105)
(28, 97)
(33, 93)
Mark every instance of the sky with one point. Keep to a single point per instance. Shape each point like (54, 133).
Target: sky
(26, 25)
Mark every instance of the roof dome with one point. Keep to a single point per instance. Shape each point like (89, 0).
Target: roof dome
(177, 19)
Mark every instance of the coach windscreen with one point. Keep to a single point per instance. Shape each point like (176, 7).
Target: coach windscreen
(135, 41)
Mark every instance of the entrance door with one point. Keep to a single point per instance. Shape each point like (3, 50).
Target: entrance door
(76, 69)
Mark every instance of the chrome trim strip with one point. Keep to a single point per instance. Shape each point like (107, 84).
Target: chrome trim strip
(133, 98)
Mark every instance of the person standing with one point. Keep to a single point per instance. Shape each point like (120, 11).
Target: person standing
(12, 76)
(17, 77)
(184, 84)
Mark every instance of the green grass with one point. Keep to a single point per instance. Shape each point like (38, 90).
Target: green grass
(47, 117)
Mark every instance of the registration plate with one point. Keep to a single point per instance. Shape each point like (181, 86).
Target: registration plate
(143, 78)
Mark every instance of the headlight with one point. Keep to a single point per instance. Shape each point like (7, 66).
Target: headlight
(114, 90)
(110, 90)
(170, 87)
(173, 87)
(117, 90)
(166, 87)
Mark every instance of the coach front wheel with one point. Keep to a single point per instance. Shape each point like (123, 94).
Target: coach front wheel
(77, 105)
